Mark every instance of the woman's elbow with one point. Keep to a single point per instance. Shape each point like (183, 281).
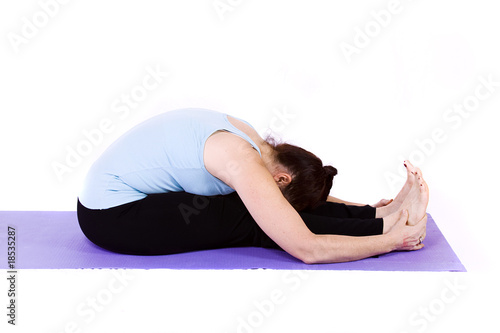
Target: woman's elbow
(309, 260)
(307, 253)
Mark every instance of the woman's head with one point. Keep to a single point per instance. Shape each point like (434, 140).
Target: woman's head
(310, 181)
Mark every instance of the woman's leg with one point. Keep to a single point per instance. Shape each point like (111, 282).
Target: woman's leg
(341, 219)
(340, 210)
(172, 223)
(348, 220)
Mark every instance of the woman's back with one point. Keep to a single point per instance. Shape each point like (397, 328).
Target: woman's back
(162, 154)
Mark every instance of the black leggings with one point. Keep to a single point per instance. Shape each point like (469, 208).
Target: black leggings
(178, 222)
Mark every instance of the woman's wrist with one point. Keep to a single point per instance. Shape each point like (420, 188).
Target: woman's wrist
(390, 242)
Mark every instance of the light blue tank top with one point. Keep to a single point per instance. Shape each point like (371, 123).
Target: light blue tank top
(162, 154)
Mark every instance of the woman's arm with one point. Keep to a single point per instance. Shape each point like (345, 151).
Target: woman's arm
(257, 189)
(345, 248)
(281, 222)
(337, 200)
(381, 203)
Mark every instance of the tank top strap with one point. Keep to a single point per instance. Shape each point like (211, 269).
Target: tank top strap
(237, 131)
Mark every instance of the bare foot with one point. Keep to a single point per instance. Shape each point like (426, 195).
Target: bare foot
(417, 200)
(411, 171)
(398, 201)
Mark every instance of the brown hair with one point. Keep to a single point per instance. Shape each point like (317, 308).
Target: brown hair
(311, 181)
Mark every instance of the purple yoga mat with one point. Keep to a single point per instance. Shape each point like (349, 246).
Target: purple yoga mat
(47, 240)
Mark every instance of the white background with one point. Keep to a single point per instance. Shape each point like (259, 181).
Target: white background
(363, 113)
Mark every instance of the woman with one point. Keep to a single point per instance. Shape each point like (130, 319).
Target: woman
(195, 179)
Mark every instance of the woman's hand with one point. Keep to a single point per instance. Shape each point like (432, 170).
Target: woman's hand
(382, 203)
(406, 237)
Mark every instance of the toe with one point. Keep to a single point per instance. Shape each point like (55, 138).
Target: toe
(410, 169)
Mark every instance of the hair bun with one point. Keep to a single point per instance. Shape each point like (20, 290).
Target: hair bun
(330, 171)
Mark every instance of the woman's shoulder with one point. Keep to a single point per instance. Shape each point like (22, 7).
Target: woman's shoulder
(225, 153)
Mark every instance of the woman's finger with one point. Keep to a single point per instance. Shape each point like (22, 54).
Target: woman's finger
(417, 247)
(382, 203)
